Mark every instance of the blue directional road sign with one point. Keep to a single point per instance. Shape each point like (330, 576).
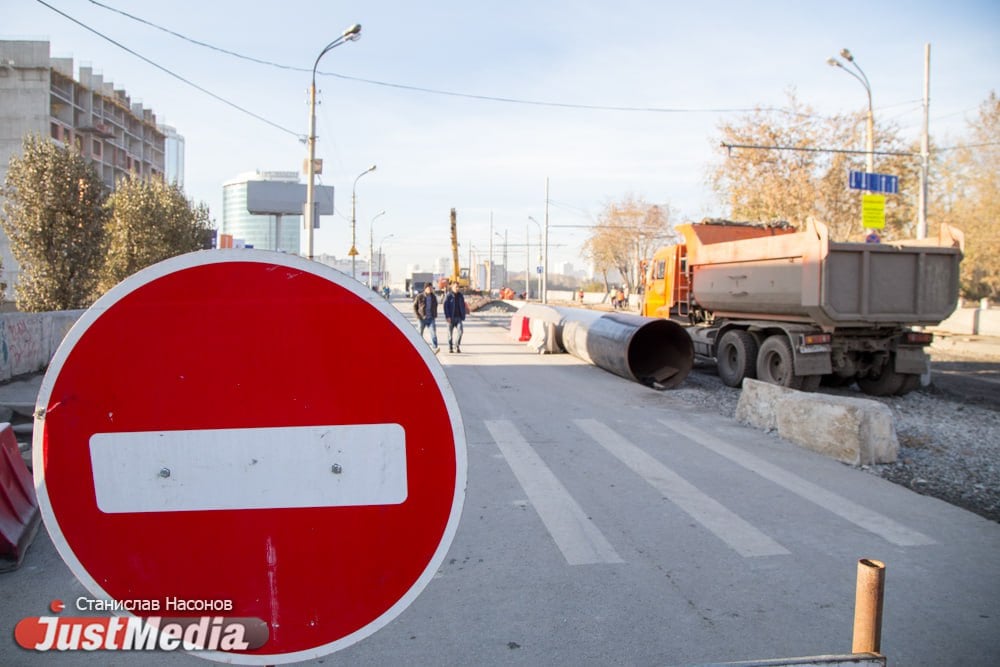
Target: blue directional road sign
(861, 180)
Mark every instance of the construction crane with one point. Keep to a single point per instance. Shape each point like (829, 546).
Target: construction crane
(458, 275)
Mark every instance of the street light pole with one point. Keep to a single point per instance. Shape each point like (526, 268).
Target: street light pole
(870, 138)
(539, 225)
(371, 248)
(352, 34)
(504, 255)
(545, 248)
(354, 226)
(527, 263)
(381, 275)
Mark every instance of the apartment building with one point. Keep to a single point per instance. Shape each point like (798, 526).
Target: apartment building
(40, 95)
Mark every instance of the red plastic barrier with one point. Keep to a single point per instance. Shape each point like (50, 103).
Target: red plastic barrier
(525, 330)
(519, 329)
(19, 516)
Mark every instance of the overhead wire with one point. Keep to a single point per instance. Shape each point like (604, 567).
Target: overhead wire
(436, 91)
(172, 73)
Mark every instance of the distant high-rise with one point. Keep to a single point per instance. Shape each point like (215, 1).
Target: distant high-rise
(174, 149)
(259, 231)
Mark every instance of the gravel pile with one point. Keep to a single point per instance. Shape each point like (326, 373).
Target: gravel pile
(947, 449)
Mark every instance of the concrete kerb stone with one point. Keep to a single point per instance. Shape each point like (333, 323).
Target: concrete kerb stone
(857, 431)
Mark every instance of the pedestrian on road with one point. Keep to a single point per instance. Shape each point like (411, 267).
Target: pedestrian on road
(425, 305)
(454, 312)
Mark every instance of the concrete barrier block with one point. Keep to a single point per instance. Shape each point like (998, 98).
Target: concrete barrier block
(543, 337)
(757, 403)
(857, 431)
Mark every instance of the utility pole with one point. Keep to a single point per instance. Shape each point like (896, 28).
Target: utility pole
(925, 156)
(545, 248)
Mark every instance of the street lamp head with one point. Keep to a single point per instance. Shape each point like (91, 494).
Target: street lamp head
(353, 33)
(371, 168)
(833, 62)
(846, 54)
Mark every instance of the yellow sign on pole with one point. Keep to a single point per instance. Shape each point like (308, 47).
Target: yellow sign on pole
(873, 211)
(353, 252)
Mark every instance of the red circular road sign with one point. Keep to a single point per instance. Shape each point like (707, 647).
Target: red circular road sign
(251, 427)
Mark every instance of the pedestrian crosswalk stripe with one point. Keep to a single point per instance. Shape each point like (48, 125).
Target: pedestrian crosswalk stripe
(579, 540)
(744, 538)
(870, 520)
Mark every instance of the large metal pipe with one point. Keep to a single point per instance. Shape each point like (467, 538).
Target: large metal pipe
(652, 351)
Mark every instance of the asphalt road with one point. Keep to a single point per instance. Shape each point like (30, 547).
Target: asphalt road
(607, 523)
(966, 378)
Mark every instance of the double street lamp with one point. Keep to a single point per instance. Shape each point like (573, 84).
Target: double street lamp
(381, 269)
(371, 249)
(870, 138)
(352, 34)
(354, 226)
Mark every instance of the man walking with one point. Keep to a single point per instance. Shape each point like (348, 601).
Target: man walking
(454, 312)
(425, 305)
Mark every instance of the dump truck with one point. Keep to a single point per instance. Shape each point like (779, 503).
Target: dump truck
(415, 283)
(794, 308)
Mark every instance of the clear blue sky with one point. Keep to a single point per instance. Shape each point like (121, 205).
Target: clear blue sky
(434, 151)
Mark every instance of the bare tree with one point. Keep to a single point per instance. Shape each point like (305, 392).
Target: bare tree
(796, 170)
(972, 201)
(627, 232)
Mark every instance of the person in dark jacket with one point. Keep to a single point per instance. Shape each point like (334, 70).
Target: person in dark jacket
(454, 312)
(425, 305)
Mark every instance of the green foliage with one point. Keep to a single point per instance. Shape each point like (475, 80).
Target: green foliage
(54, 216)
(148, 221)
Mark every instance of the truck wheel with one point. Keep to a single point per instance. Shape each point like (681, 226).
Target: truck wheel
(775, 363)
(810, 382)
(910, 382)
(886, 383)
(737, 357)
(834, 380)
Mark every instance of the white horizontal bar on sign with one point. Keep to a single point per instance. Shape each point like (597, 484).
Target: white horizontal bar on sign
(249, 468)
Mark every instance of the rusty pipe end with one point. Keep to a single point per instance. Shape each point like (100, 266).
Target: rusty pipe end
(869, 595)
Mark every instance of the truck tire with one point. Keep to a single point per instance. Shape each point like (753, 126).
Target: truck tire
(811, 382)
(775, 363)
(736, 357)
(910, 382)
(886, 383)
(834, 380)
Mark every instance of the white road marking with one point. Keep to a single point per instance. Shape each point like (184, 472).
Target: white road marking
(249, 468)
(721, 522)
(579, 540)
(870, 520)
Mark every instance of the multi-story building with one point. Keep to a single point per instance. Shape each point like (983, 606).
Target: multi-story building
(39, 95)
(174, 154)
(266, 232)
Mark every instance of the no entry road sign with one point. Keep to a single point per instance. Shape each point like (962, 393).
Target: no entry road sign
(253, 428)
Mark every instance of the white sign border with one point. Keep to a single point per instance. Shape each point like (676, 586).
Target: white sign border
(296, 263)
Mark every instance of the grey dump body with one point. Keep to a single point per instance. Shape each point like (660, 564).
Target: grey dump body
(804, 277)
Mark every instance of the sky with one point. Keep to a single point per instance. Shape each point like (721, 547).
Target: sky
(477, 105)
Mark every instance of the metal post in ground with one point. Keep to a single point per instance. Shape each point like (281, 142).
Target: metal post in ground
(868, 606)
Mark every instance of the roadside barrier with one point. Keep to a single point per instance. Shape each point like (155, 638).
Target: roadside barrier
(19, 515)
